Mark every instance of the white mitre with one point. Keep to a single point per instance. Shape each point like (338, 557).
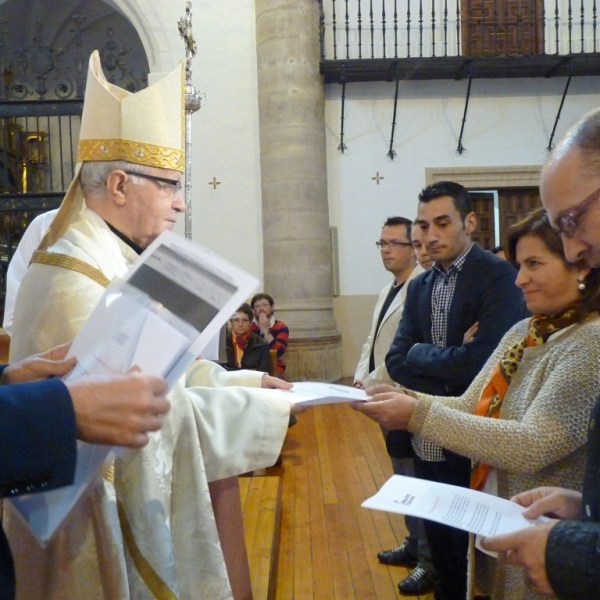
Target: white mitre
(147, 128)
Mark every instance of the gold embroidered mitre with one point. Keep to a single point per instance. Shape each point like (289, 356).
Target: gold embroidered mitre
(147, 128)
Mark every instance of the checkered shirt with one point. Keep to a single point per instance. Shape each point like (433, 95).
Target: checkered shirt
(441, 299)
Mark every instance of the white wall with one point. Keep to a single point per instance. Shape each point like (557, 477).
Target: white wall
(508, 124)
(225, 130)
(226, 140)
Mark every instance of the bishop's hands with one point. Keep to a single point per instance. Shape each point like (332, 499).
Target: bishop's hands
(387, 406)
(274, 383)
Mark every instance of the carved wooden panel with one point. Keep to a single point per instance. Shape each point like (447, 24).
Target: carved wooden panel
(501, 27)
(483, 207)
(515, 204)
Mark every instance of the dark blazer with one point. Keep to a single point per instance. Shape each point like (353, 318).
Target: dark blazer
(256, 355)
(37, 450)
(573, 547)
(486, 293)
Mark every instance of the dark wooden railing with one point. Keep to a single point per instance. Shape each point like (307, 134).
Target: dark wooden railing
(38, 142)
(545, 31)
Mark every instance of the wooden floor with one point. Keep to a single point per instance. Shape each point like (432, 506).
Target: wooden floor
(333, 459)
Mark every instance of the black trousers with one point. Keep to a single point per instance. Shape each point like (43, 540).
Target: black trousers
(449, 546)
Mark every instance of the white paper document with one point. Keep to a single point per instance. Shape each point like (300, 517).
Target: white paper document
(308, 393)
(469, 510)
(171, 303)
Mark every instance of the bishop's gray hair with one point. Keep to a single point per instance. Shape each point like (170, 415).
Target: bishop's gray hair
(94, 174)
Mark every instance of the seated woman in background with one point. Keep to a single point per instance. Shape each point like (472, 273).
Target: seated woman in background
(245, 349)
(523, 420)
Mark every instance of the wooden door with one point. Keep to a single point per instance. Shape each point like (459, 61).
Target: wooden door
(483, 207)
(501, 27)
(515, 204)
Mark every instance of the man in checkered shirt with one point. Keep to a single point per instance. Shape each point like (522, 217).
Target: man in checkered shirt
(466, 287)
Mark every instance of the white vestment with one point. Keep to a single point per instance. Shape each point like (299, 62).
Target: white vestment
(152, 534)
(20, 261)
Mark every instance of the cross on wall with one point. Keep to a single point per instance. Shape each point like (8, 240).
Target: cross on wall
(377, 178)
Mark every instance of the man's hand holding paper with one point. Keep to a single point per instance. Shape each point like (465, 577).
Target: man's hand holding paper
(527, 548)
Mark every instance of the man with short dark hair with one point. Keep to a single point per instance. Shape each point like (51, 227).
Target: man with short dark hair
(466, 285)
(398, 257)
(274, 332)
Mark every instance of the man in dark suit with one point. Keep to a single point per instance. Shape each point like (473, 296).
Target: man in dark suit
(41, 418)
(467, 287)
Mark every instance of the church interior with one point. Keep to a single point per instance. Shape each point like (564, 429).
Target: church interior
(318, 121)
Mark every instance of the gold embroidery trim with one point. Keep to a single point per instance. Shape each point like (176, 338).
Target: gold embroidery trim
(55, 259)
(160, 590)
(153, 582)
(136, 152)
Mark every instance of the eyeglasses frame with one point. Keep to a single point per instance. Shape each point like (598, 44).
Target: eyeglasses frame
(173, 184)
(394, 244)
(568, 221)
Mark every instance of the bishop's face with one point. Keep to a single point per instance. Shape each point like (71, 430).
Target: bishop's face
(153, 204)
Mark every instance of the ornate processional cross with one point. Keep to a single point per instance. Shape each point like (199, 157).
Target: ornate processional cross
(193, 102)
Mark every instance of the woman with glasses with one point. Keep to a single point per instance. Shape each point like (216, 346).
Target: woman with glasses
(245, 349)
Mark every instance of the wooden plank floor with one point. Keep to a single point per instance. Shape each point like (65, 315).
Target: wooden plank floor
(333, 459)
(261, 502)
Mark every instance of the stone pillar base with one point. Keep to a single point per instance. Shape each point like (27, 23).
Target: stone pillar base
(314, 359)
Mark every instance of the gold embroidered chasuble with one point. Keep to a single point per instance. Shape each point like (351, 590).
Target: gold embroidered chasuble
(151, 533)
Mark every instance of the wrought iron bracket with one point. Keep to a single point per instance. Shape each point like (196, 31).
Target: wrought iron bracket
(558, 66)
(562, 102)
(342, 146)
(460, 149)
(464, 70)
(392, 152)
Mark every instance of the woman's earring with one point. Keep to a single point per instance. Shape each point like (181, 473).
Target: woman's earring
(581, 284)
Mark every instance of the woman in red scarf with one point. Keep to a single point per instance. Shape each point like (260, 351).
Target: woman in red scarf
(245, 349)
(523, 420)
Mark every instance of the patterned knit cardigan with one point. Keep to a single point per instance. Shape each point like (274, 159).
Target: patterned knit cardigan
(540, 437)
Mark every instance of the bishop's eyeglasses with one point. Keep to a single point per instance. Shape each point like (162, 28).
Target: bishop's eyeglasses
(170, 186)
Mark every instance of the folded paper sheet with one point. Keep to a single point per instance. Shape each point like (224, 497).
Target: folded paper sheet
(469, 510)
(308, 393)
(170, 305)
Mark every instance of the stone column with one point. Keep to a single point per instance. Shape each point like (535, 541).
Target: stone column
(297, 253)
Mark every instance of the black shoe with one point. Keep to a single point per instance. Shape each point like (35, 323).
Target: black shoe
(398, 556)
(419, 582)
